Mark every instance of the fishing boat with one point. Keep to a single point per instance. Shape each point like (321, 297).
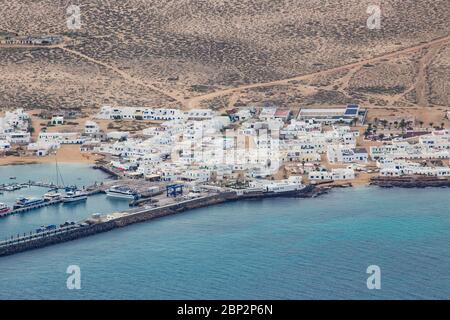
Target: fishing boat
(122, 192)
(74, 196)
(4, 209)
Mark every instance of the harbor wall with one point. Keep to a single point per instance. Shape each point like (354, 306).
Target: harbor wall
(141, 216)
(410, 182)
(56, 238)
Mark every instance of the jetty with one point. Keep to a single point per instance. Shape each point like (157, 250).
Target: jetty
(90, 191)
(103, 223)
(413, 181)
(37, 206)
(108, 170)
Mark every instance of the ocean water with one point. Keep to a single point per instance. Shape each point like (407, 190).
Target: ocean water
(72, 174)
(281, 248)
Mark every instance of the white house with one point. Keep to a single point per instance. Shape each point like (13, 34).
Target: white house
(57, 120)
(343, 174)
(108, 113)
(267, 113)
(61, 137)
(42, 148)
(198, 175)
(345, 154)
(19, 137)
(334, 175)
(91, 127)
(4, 145)
(402, 167)
(14, 127)
(243, 114)
(200, 114)
(163, 114)
(360, 154)
(117, 135)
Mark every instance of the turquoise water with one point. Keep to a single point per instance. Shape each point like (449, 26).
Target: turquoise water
(73, 174)
(266, 249)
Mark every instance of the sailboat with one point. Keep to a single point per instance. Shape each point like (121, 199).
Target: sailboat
(53, 194)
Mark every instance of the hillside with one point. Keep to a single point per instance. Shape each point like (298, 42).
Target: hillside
(216, 53)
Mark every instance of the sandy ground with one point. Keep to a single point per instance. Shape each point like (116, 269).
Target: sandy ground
(66, 154)
(362, 179)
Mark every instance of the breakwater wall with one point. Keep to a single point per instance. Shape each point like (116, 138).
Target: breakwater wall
(52, 238)
(107, 170)
(136, 216)
(410, 182)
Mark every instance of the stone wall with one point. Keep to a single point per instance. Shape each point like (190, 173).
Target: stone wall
(141, 216)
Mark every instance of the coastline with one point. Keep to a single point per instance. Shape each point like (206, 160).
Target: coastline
(90, 227)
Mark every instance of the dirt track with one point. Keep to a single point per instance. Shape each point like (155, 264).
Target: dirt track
(193, 102)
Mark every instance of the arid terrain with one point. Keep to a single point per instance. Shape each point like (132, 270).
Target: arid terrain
(222, 54)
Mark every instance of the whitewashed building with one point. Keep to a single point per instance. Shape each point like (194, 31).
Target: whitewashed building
(57, 120)
(91, 128)
(19, 137)
(403, 168)
(334, 175)
(163, 114)
(61, 137)
(4, 146)
(200, 114)
(345, 154)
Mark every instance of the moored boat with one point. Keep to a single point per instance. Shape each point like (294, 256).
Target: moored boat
(74, 196)
(4, 209)
(12, 187)
(122, 192)
(27, 202)
(52, 196)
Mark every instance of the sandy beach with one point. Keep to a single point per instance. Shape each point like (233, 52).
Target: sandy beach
(66, 154)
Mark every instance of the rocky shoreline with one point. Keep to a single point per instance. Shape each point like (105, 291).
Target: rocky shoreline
(410, 182)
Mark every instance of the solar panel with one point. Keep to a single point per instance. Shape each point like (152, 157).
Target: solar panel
(350, 112)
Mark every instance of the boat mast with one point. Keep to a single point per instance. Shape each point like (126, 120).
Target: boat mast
(58, 174)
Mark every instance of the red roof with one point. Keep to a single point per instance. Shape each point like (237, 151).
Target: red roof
(282, 113)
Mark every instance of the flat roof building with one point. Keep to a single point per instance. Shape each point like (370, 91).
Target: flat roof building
(333, 115)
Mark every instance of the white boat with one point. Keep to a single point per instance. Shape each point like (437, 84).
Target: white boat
(28, 202)
(284, 187)
(52, 196)
(122, 192)
(74, 196)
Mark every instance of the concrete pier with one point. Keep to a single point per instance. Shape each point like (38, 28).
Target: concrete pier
(90, 227)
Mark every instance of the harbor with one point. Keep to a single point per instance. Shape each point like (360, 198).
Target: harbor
(54, 194)
(141, 200)
(102, 223)
(152, 260)
(81, 175)
(130, 201)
